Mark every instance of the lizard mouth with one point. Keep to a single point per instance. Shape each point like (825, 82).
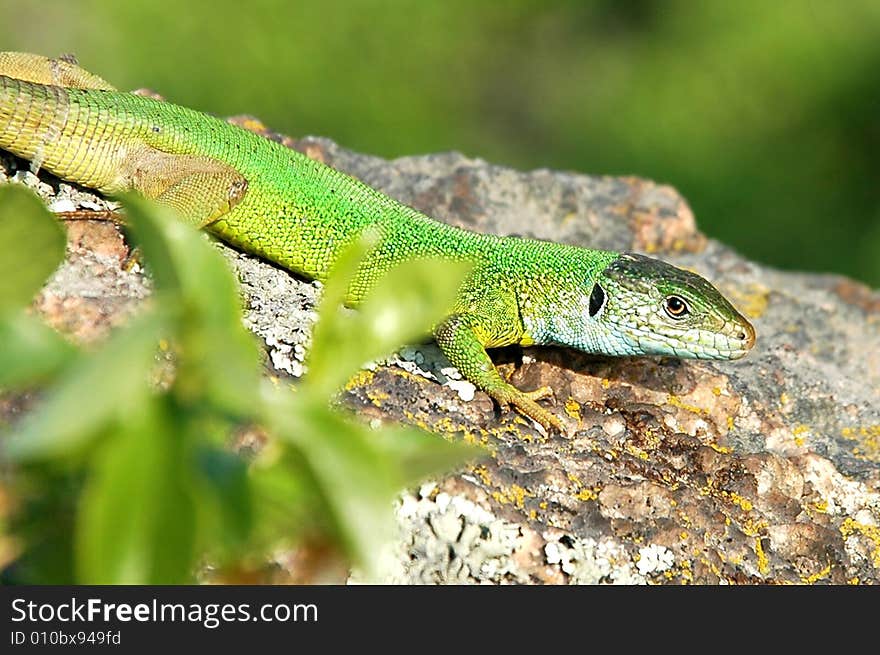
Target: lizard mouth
(733, 343)
(746, 338)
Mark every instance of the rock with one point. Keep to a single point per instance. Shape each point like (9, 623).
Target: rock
(765, 470)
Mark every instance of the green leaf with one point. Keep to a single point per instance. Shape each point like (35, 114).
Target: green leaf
(227, 498)
(31, 246)
(287, 503)
(219, 366)
(136, 523)
(96, 388)
(220, 358)
(345, 268)
(354, 481)
(419, 455)
(403, 307)
(357, 472)
(182, 261)
(156, 232)
(43, 501)
(32, 351)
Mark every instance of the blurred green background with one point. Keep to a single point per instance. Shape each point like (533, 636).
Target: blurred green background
(765, 115)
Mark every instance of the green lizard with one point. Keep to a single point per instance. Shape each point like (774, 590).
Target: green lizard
(299, 213)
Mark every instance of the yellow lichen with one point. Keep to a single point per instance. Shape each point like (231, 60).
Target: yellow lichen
(712, 567)
(744, 503)
(573, 409)
(675, 401)
(515, 496)
(868, 438)
(453, 431)
(687, 575)
(588, 494)
(753, 528)
(483, 473)
(763, 561)
(359, 379)
(376, 397)
(850, 527)
(635, 451)
(797, 431)
(812, 579)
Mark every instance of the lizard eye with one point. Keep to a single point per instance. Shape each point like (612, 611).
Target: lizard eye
(676, 307)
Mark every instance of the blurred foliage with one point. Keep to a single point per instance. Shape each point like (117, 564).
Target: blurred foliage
(764, 114)
(124, 471)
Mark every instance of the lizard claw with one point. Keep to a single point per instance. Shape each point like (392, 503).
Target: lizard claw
(524, 402)
(539, 394)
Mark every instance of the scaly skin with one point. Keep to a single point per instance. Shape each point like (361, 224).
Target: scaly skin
(277, 203)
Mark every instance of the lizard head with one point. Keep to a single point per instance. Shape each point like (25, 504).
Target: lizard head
(643, 306)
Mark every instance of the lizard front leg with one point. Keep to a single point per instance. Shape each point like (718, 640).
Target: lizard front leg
(459, 339)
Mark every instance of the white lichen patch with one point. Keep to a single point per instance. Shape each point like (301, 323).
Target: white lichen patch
(588, 561)
(280, 310)
(838, 494)
(429, 362)
(463, 388)
(62, 205)
(654, 559)
(445, 539)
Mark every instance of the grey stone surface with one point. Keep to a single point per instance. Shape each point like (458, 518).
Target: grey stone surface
(761, 470)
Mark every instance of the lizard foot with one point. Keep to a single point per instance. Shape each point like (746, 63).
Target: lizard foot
(538, 394)
(525, 403)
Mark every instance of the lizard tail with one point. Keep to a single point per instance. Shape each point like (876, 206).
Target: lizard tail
(32, 117)
(34, 106)
(57, 71)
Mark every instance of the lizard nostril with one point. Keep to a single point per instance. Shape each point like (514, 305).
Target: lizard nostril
(747, 335)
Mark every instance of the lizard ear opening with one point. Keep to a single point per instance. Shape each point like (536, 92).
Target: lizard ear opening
(597, 300)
